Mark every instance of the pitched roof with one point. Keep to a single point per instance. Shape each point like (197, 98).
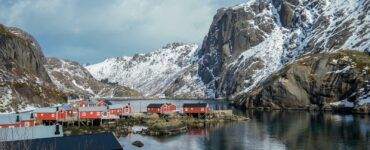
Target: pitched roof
(115, 106)
(155, 105)
(98, 108)
(11, 118)
(34, 132)
(88, 141)
(46, 110)
(195, 105)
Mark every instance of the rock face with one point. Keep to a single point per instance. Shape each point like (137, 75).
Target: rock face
(244, 46)
(167, 72)
(74, 79)
(248, 42)
(23, 78)
(324, 80)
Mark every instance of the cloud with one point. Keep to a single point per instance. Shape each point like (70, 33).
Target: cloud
(90, 30)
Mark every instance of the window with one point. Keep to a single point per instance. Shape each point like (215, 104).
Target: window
(191, 108)
(202, 109)
(186, 109)
(27, 124)
(42, 115)
(53, 115)
(91, 113)
(83, 114)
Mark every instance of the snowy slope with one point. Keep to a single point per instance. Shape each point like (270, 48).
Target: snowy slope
(150, 73)
(72, 78)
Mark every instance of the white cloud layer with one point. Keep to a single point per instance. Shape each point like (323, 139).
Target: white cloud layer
(90, 30)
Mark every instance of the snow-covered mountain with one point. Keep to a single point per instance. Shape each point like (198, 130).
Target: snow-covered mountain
(169, 71)
(72, 78)
(245, 45)
(249, 42)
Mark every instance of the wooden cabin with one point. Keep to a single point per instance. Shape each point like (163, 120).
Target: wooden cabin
(196, 108)
(115, 111)
(127, 110)
(91, 112)
(50, 114)
(163, 108)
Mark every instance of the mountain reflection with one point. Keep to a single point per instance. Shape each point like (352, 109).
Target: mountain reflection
(271, 130)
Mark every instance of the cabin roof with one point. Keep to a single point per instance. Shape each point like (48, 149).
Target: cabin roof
(66, 107)
(88, 141)
(96, 108)
(195, 105)
(155, 105)
(45, 110)
(115, 106)
(33, 132)
(11, 118)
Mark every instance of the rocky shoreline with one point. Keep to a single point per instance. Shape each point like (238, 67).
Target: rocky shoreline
(155, 125)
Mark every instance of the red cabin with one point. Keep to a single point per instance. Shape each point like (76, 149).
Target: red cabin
(115, 111)
(161, 108)
(50, 114)
(196, 108)
(127, 110)
(91, 112)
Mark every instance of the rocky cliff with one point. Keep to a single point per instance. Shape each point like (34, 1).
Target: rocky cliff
(23, 79)
(316, 81)
(249, 42)
(74, 79)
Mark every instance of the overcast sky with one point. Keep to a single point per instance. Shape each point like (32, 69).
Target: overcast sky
(92, 30)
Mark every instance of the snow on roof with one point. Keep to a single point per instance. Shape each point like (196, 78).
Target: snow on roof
(100, 108)
(23, 133)
(115, 106)
(11, 118)
(46, 110)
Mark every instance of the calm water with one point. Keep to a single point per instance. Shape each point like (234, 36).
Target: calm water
(270, 130)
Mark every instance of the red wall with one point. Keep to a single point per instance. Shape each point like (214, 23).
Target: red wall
(127, 110)
(163, 109)
(45, 116)
(196, 110)
(90, 115)
(117, 111)
(51, 116)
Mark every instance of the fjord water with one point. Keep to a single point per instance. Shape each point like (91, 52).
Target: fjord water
(270, 130)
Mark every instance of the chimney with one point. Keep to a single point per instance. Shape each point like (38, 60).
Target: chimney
(32, 116)
(17, 119)
(57, 132)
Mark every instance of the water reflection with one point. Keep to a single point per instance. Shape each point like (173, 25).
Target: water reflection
(270, 130)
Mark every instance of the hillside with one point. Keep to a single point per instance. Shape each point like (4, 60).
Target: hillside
(72, 78)
(24, 82)
(169, 71)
